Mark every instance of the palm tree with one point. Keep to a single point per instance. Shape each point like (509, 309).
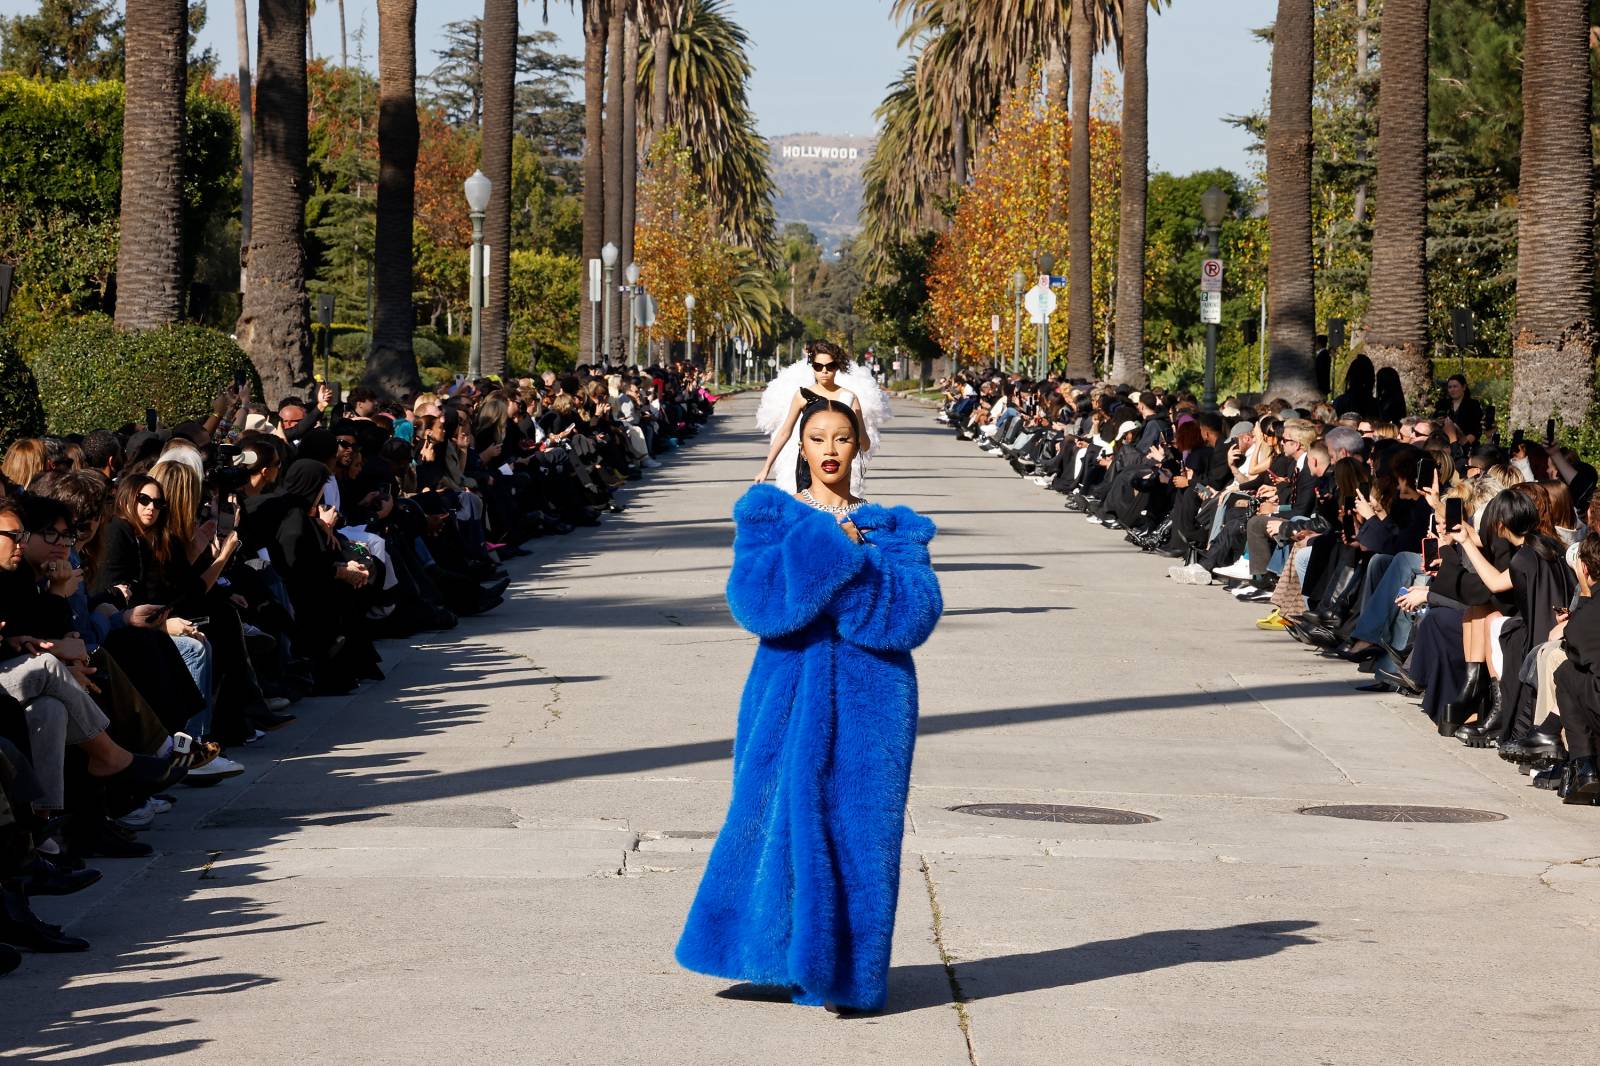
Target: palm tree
(613, 131)
(392, 366)
(247, 129)
(595, 26)
(275, 323)
(906, 177)
(150, 257)
(1554, 347)
(708, 69)
(344, 49)
(1397, 319)
(630, 135)
(1080, 207)
(499, 119)
(1292, 310)
(1127, 352)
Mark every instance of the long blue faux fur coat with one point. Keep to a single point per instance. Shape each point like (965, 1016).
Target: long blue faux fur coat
(800, 889)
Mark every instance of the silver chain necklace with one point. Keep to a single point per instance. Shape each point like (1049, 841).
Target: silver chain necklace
(840, 509)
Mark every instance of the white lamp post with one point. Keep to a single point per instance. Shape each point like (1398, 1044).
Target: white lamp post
(477, 189)
(608, 256)
(688, 303)
(632, 274)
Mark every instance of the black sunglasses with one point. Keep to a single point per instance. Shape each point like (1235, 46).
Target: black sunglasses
(56, 536)
(158, 503)
(820, 367)
(345, 443)
(13, 535)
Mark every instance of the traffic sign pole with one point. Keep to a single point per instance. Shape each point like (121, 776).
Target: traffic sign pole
(1211, 312)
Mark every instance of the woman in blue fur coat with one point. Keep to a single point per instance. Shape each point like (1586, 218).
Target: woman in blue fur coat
(800, 890)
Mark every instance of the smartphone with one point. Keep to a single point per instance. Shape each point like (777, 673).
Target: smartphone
(1430, 552)
(150, 419)
(1348, 513)
(238, 380)
(1427, 471)
(1550, 431)
(227, 516)
(1488, 415)
(1452, 515)
(203, 620)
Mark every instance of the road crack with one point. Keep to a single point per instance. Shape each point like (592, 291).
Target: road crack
(957, 1000)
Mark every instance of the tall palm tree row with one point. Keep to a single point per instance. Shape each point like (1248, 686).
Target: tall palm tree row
(905, 180)
(392, 365)
(630, 138)
(150, 256)
(247, 128)
(707, 73)
(1080, 267)
(1291, 372)
(275, 322)
(499, 120)
(596, 25)
(1554, 346)
(1397, 316)
(616, 35)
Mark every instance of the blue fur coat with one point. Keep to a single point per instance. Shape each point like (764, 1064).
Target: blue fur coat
(801, 885)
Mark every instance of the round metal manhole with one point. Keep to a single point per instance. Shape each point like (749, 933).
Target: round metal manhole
(1056, 812)
(1398, 812)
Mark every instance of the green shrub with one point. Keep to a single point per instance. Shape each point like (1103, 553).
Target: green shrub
(93, 376)
(21, 414)
(427, 350)
(350, 346)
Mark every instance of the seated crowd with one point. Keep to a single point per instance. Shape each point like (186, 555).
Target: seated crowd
(166, 594)
(1453, 566)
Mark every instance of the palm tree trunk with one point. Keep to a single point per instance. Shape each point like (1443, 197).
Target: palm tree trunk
(1554, 348)
(1292, 315)
(1363, 62)
(958, 154)
(150, 257)
(630, 136)
(275, 324)
(594, 217)
(392, 366)
(247, 130)
(499, 114)
(1397, 320)
(344, 41)
(612, 137)
(311, 45)
(661, 57)
(1127, 355)
(1080, 265)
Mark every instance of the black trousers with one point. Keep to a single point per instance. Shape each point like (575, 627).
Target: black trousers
(1580, 709)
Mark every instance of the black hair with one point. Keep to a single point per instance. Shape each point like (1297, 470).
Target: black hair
(815, 405)
(40, 513)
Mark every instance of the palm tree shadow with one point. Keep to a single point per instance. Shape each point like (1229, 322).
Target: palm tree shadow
(919, 987)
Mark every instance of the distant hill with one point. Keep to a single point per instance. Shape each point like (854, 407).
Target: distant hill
(819, 183)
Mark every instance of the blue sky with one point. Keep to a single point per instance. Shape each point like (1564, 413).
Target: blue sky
(822, 65)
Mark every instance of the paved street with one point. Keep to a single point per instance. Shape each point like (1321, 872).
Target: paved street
(488, 857)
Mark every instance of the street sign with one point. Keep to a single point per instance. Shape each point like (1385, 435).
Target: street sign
(644, 310)
(1041, 304)
(1211, 275)
(1058, 281)
(1211, 307)
(994, 323)
(595, 284)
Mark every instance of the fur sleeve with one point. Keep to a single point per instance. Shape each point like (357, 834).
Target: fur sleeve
(788, 562)
(894, 602)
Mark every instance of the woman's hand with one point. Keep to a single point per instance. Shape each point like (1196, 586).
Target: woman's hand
(426, 452)
(761, 478)
(353, 574)
(204, 534)
(1414, 600)
(182, 627)
(1364, 507)
(328, 516)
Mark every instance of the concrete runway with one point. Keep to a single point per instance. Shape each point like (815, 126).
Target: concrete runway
(487, 858)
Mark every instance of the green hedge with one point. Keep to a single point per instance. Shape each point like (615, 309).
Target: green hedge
(21, 414)
(93, 376)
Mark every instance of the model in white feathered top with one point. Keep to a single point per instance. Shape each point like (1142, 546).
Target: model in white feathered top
(826, 371)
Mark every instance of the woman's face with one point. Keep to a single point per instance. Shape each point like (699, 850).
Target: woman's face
(1455, 389)
(829, 446)
(824, 367)
(148, 506)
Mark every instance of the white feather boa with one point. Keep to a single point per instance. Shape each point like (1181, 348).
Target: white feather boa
(780, 393)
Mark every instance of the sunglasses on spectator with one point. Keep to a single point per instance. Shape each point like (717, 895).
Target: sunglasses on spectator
(57, 536)
(157, 502)
(13, 535)
(820, 367)
(345, 443)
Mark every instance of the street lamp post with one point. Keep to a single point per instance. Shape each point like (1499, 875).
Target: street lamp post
(1019, 285)
(1046, 262)
(719, 347)
(632, 274)
(477, 189)
(688, 304)
(608, 257)
(1213, 206)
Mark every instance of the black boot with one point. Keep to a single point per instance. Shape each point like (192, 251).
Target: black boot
(1537, 744)
(1486, 730)
(20, 927)
(10, 958)
(1469, 703)
(1582, 783)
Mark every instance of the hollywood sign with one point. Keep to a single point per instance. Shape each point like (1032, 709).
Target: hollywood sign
(814, 151)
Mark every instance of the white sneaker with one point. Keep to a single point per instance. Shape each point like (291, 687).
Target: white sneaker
(137, 819)
(254, 736)
(1092, 518)
(158, 805)
(651, 464)
(276, 704)
(1238, 571)
(216, 770)
(1042, 481)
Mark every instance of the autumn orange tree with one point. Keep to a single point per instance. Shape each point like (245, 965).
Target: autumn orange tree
(676, 242)
(1014, 210)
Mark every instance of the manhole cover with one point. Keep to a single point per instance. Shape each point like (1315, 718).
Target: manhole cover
(1397, 812)
(1055, 812)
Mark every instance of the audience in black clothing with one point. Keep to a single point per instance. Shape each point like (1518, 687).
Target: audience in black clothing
(168, 594)
(1451, 570)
